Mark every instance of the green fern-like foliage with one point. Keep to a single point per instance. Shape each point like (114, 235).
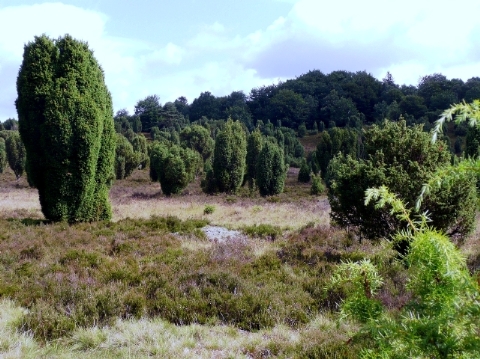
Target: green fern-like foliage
(66, 123)
(441, 320)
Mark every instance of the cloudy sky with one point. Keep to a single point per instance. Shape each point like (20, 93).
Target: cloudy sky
(184, 47)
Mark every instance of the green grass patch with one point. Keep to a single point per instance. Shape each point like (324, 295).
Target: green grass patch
(266, 231)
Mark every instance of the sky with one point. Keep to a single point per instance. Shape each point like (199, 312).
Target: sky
(185, 47)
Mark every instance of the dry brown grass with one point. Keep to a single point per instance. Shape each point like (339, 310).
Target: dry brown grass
(310, 142)
(17, 199)
(138, 197)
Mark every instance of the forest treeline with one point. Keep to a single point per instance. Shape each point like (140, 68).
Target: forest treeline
(310, 102)
(336, 105)
(314, 100)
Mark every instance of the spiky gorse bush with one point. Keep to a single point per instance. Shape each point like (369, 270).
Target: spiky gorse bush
(66, 123)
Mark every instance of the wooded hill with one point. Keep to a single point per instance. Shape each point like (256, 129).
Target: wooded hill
(315, 99)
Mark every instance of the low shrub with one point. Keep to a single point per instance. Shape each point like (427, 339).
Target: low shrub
(94, 273)
(209, 209)
(266, 231)
(317, 187)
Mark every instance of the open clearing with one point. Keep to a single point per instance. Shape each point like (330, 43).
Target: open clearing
(138, 197)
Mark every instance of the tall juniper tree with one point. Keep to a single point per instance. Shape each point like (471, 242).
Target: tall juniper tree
(66, 123)
(229, 157)
(254, 147)
(3, 155)
(271, 172)
(15, 154)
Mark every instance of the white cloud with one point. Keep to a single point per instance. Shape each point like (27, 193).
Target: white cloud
(407, 37)
(124, 61)
(19, 24)
(133, 68)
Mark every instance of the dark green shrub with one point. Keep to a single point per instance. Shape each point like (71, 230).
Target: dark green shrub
(208, 184)
(209, 209)
(3, 155)
(119, 167)
(254, 147)
(139, 143)
(317, 186)
(198, 138)
(158, 152)
(126, 159)
(229, 157)
(302, 130)
(266, 231)
(344, 140)
(5, 134)
(66, 123)
(174, 167)
(304, 173)
(15, 154)
(173, 175)
(402, 158)
(321, 126)
(472, 142)
(271, 171)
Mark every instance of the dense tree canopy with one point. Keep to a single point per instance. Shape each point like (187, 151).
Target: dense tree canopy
(149, 110)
